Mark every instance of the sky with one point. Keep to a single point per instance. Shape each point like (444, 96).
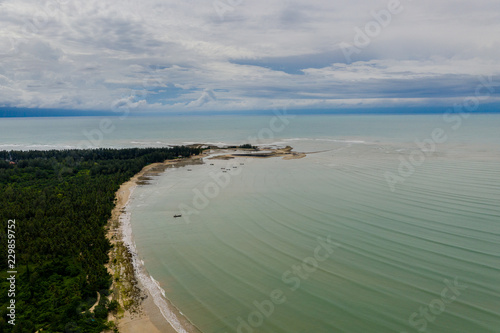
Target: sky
(234, 55)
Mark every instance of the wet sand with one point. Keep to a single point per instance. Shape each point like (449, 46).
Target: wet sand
(141, 313)
(286, 153)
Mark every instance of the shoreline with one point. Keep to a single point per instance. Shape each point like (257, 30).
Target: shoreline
(286, 153)
(144, 305)
(140, 311)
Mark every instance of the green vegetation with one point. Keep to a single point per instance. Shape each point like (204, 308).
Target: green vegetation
(244, 146)
(61, 202)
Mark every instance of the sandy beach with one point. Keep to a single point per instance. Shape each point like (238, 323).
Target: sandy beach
(286, 153)
(139, 312)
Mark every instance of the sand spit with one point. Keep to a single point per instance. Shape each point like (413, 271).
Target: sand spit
(143, 309)
(286, 153)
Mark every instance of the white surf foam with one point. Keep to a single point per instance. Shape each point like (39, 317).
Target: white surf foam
(142, 275)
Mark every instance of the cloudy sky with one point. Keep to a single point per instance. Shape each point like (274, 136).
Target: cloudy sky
(165, 55)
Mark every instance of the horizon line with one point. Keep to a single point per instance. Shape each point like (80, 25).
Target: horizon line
(14, 112)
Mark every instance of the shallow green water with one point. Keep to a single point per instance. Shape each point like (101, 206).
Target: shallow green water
(71, 132)
(395, 248)
(391, 252)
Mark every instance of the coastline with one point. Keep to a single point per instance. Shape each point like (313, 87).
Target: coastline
(140, 311)
(144, 305)
(286, 153)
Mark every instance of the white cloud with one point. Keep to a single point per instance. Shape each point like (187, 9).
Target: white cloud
(165, 54)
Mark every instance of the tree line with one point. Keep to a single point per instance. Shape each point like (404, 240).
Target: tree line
(61, 201)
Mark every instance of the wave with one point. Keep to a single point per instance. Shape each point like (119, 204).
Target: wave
(15, 146)
(147, 281)
(151, 143)
(328, 140)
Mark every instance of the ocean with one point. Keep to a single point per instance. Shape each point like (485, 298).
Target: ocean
(390, 223)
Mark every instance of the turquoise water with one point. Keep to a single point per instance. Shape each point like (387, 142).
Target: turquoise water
(71, 132)
(351, 238)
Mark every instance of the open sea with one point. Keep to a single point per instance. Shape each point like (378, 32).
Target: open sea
(390, 223)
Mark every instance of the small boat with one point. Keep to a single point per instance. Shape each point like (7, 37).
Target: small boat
(178, 215)
(211, 164)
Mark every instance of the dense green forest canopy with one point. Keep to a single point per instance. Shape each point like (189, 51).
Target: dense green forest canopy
(61, 202)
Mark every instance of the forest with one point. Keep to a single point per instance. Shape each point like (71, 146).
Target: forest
(59, 202)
